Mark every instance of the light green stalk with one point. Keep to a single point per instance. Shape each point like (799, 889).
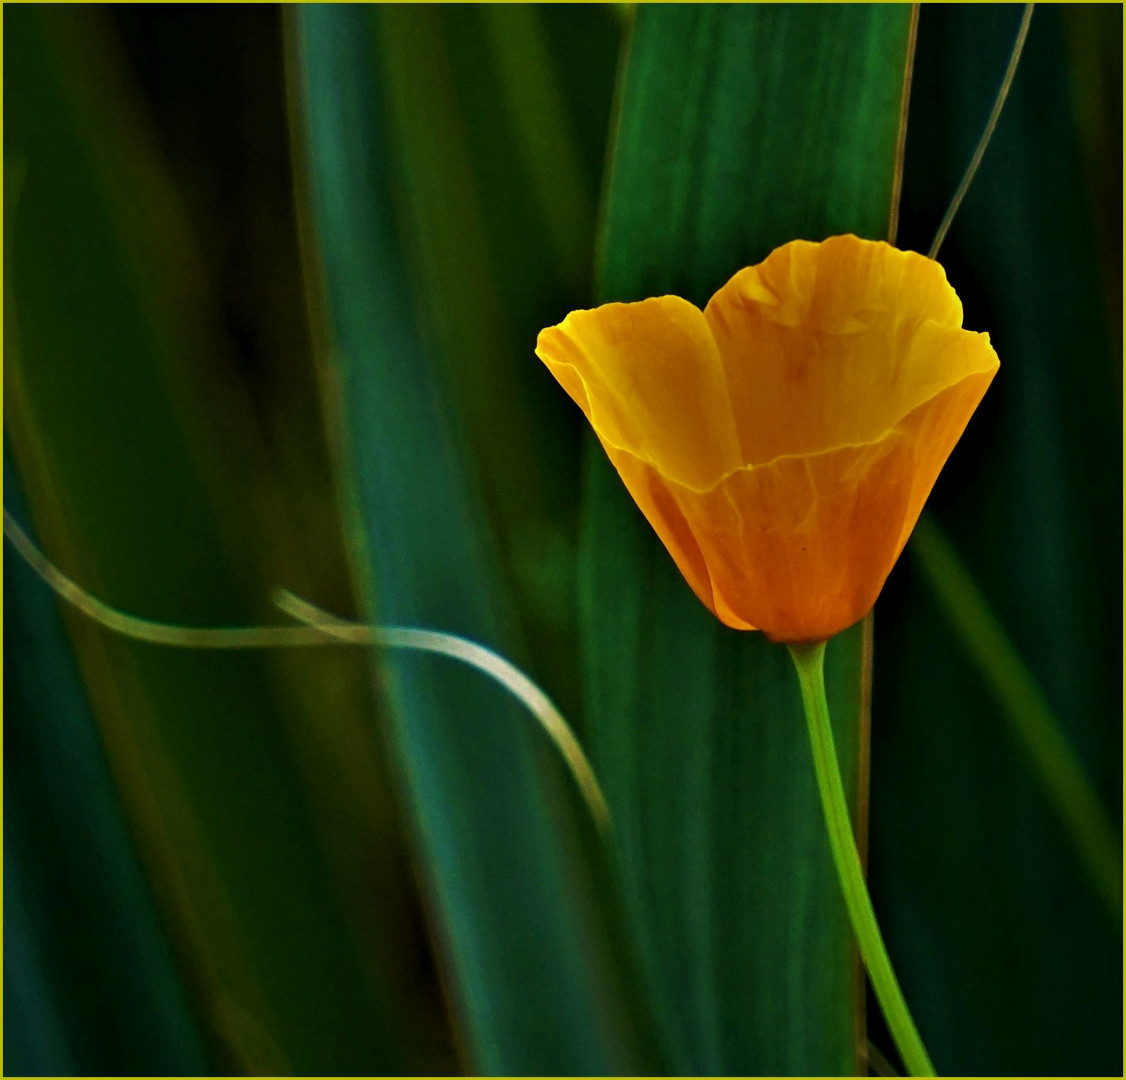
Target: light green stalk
(810, 663)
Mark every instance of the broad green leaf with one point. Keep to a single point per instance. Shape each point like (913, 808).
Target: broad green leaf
(538, 983)
(741, 127)
(142, 480)
(498, 115)
(1010, 958)
(90, 985)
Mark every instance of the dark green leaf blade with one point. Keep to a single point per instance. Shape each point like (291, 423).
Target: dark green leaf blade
(90, 984)
(534, 980)
(741, 127)
(1010, 957)
(136, 483)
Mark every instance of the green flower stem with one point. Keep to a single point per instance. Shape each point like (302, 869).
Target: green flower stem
(810, 663)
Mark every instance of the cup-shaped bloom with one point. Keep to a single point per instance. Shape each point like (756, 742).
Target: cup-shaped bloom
(782, 441)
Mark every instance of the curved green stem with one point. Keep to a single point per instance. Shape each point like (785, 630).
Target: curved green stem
(986, 135)
(810, 663)
(322, 628)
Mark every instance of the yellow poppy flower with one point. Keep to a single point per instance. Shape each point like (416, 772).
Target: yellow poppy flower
(782, 442)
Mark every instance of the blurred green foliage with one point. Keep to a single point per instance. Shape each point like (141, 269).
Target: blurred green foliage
(529, 968)
(272, 281)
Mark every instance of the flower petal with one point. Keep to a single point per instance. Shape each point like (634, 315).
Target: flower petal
(820, 344)
(782, 442)
(649, 378)
(654, 497)
(800, 547)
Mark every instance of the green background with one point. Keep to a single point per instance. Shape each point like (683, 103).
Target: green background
(272, 279)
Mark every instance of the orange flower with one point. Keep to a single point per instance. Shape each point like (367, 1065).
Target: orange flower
(783, 441)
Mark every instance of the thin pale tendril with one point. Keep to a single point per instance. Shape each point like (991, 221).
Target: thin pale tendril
(878, 1062)
(986, 135)
(901, 139)
(478, 656)
(322, 628)
(156, 633)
